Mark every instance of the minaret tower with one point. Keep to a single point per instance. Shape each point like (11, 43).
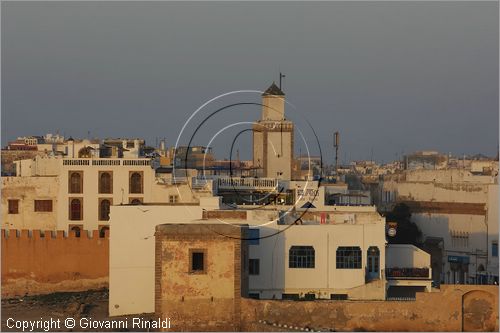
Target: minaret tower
(273, 137)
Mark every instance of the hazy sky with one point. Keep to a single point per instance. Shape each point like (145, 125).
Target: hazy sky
(391, 77)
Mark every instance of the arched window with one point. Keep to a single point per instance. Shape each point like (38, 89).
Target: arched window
(301, 257)
(348, 257)
(75, 210)
(76, 230)
(105, 183)
(135, 202)
(102, 232)
(75, 182)
(135, 182)
(104, 210)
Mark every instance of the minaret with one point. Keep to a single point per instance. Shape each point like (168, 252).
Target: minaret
(273, 137)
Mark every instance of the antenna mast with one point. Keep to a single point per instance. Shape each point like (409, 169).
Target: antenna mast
(336, 142)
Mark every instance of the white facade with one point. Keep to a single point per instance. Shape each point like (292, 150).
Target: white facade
(132, 251)
(456, 209)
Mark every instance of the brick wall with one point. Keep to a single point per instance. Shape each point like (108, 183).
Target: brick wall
(32, 264)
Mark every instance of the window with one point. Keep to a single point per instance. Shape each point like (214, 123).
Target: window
(459, 238)
(197, 262)
(254, 295)
(253, 236)
(338, 297)
(494, 249)
(135, 201)
(290, 297)
(301, 257)
(43, 205)
(14, 206)
(135, 182)
(104, 206)
(102, 231)
(105, 182)
(75, 209)
(76, 229)
(173, 198)
(254, 267)
(75, 182)
(348, 257)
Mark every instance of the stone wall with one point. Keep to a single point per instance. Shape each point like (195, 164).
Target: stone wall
(453, 308)
(203, 300)
(32, 264)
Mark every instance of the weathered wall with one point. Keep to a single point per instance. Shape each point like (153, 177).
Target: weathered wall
(40, 265)
(27, 190)
(438, 311)
(200, 300)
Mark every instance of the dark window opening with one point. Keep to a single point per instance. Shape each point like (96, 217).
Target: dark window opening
(75, 182)
(197, 261)
(348, 257)
(104, 209)
(301, 257)
(254, 267)
(14, 206)
(102, 232)
(338, 297)
(254, 295)
(76, 230)
(136, 183)
(43, 205)
(75, 210)
(292, 297)
(105, 183)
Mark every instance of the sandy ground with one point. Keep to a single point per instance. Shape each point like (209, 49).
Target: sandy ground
(84, 307)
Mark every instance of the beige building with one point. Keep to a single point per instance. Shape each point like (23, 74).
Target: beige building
(78, 192)
(273, 137)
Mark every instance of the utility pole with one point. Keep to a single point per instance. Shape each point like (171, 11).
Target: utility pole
(336, 142)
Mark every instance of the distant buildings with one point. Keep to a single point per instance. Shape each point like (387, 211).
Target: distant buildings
(457, 212)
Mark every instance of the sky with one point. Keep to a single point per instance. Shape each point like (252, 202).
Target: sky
(391, 77)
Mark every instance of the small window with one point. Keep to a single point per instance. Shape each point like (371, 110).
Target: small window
(254, 267)
(253, 236)
(494, 249)
(348, 257)
(254, 295)
(102, 231)
(14, 206)
(301, 257)
(338, 297)
(136, 201)
(291, 297)
(43, 205)
(197, 261)
(173, 198)
(77, 230)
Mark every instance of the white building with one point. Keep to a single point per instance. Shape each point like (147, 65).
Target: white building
(457, 212)
(338, 253)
